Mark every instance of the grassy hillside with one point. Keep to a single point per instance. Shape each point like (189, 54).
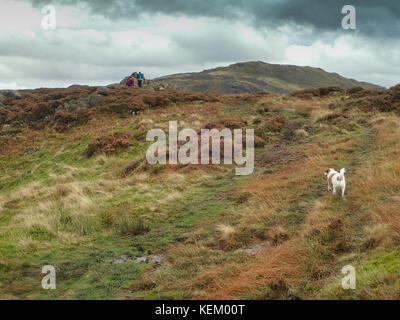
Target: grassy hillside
(72, 196)
(251, 77)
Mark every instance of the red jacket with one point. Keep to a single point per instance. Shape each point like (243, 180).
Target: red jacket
(131, 81)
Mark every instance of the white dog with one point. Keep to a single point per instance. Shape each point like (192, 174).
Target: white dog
(336, 180)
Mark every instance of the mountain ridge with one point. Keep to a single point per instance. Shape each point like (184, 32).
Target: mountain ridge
(258, 76)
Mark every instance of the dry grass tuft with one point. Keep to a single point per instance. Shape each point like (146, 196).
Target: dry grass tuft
(226, 235)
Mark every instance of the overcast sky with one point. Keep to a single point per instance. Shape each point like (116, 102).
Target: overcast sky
(99, 42)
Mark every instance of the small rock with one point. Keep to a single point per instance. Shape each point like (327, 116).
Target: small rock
(121, 260)
(74, 105)
(69, 106)
(35, 149)
(131, 167)
(102, 90)
(95, 99)
(256, 248)
(83, 103)
(155, 259)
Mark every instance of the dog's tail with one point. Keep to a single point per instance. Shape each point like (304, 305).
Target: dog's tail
(341, 173)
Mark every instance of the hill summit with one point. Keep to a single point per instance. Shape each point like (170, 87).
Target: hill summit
(257, 76)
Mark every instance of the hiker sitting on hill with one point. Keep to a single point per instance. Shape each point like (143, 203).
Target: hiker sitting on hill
(130, 82)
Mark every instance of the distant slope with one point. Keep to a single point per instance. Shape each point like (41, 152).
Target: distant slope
(250, 77)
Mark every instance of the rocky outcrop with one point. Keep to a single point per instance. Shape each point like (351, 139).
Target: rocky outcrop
(75, 104)
(123, 81)
(102, 90)
(84, 102)
(13, 94)
(65, 108)
(5, 95)
(95, 99)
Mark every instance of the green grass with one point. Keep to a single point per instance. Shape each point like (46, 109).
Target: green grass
(134, 216)
(82, 270)
(376, 278)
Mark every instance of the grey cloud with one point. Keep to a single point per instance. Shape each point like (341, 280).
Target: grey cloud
(375, 18)
(191, 48)
(74, 56)
(67, 56)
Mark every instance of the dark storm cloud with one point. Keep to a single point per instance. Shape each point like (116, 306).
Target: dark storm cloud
(374, 18)
(87, 49)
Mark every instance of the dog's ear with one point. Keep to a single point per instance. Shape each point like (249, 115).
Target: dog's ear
(327, 172)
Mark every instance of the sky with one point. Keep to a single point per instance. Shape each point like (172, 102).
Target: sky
(98, 42)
